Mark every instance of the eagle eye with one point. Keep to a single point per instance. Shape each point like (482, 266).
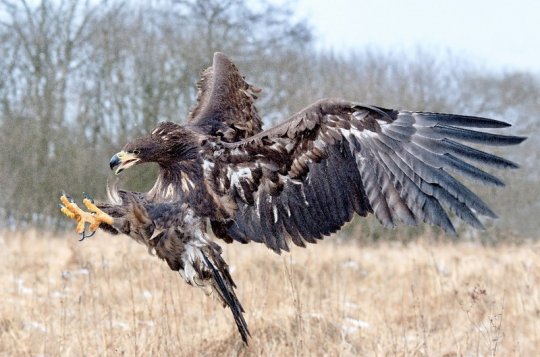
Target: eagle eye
(136, 151)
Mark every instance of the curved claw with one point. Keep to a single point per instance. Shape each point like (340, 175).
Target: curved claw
(88, 197)
(64, 194)
(89, 235)
(68, 197)
(84, 235)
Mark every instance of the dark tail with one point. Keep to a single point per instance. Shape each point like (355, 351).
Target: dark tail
(224, 286)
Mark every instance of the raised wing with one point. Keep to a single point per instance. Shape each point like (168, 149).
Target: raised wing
(305, 178)
(225, 103)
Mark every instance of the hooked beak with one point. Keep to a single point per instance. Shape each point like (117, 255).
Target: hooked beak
(123, 160)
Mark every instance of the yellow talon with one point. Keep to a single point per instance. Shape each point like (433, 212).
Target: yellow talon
(99, 215)
(94, 218)
(68, 212)
(90, 205)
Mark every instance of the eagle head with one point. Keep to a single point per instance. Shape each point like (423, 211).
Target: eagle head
(167, 144)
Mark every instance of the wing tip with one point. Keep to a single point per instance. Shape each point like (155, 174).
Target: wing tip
(463, 120)
(520, 139)
(502, 124)
(219, 55)
(491, 123)
(221, 59)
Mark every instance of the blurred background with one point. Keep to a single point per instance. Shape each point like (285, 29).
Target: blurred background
(78, 78)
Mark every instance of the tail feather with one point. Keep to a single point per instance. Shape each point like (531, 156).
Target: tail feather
(223, 285)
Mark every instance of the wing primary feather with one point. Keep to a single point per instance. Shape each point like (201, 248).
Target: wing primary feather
(447, 146)
(479, 137)
(436, 215)
(376, 199)
(439, 176)
(472, 172)
(368, 167)
(397, 208)
(412, 193)
(448, 161)
(431, 188)
(458, 120)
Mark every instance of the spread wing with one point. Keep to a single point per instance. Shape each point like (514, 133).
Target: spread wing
(225, 103)
(305, 178)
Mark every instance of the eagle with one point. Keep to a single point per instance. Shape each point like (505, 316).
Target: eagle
(295, 183)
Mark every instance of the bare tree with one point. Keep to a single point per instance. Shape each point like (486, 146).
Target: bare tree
(79, 77)
(44, 48)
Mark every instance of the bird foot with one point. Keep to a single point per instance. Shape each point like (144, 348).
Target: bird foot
(93, 218)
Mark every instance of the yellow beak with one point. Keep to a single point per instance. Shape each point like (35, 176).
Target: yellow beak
(123, 160)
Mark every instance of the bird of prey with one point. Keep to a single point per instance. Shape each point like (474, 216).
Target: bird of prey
(297, 182)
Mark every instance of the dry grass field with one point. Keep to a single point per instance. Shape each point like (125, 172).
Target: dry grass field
(107, 297)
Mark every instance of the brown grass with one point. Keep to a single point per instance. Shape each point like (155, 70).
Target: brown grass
(107, 296)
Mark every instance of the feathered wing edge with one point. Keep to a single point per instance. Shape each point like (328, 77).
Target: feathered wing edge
(309, 175)
(225, 102)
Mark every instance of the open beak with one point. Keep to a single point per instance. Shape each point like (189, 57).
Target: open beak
(123, 160)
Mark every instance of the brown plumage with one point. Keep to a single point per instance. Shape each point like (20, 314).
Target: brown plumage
(297, 182)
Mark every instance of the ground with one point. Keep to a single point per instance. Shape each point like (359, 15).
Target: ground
(106, 296)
